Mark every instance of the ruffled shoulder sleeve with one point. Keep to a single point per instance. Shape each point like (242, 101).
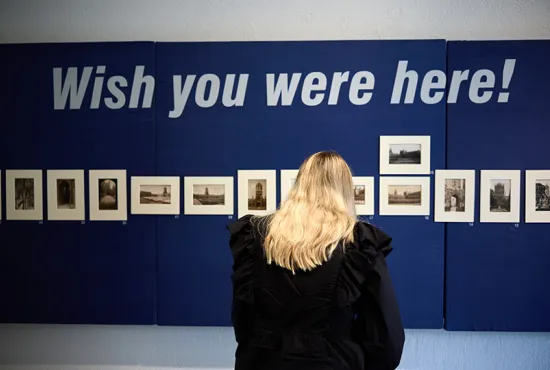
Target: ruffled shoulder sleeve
(241, 243)
(378, 325)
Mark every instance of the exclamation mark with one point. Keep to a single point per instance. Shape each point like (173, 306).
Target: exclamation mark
(507, 73)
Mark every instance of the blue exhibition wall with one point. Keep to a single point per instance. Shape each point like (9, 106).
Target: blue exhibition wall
(497, 274)
(69, 271)
(207, 138)
(213, 108)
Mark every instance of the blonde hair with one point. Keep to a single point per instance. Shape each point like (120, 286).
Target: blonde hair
(317, 215)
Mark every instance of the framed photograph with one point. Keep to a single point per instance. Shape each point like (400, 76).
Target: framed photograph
(364, 195)
(404, 196)
(257, 192)
(454, 195)
(499, 201)
(24, 195)
(1, 196)
(66, 195)
(208, 196)
(155, 195)
(537, 196)
(404, 155)
(288, 178)
(108, 195)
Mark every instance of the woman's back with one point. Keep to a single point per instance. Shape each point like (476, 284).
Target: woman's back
(341, 315)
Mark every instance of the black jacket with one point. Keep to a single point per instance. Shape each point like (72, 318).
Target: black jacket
(343, 315)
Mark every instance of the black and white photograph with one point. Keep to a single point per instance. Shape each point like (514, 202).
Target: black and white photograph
(500, 193)
(405, 154)
(24, 194)
(404, 196)
(359, 194)
(257, 191)
(155, 194)
(455, 195)
(24, 198)
(537, 196)
(257, 194)
(66, 197)
(288, 179)
(410, 195)
(208, 194)
(542, 195)
(363, 194)
(108, 194)
(500, 196)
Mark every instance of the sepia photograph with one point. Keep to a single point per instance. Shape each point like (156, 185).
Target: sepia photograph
(455, 195)
(542, 195)
(257, 194)
(405, 154)
(24, 194)
(409, 195)
(108, 197)
(209, 195)
(66, 198)
(288, 179)
(359, 194)
(257, 191)
(500, 196)
(499, 200)
(155, 194)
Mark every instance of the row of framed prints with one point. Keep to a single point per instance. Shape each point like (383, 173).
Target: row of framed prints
(455, 195)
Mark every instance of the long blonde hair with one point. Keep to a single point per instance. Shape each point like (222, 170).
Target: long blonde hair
(317, 215)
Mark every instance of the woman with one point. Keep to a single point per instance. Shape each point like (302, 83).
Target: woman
(311, 288)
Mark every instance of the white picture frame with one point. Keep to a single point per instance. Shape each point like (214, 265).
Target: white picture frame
(66, 195)
(288, 177)
(156, 186)
(364, 205)
(537, 213)
(1, 195)
(400, 185)
(13, 212)
(268, 180)
(455, 194)
(414, 165)
(104, 205)
(216, 190)
(508, 182)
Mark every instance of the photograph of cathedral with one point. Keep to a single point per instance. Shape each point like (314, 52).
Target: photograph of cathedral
(500, 195)
(257, 194)
(208, 195)
(405, 154)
